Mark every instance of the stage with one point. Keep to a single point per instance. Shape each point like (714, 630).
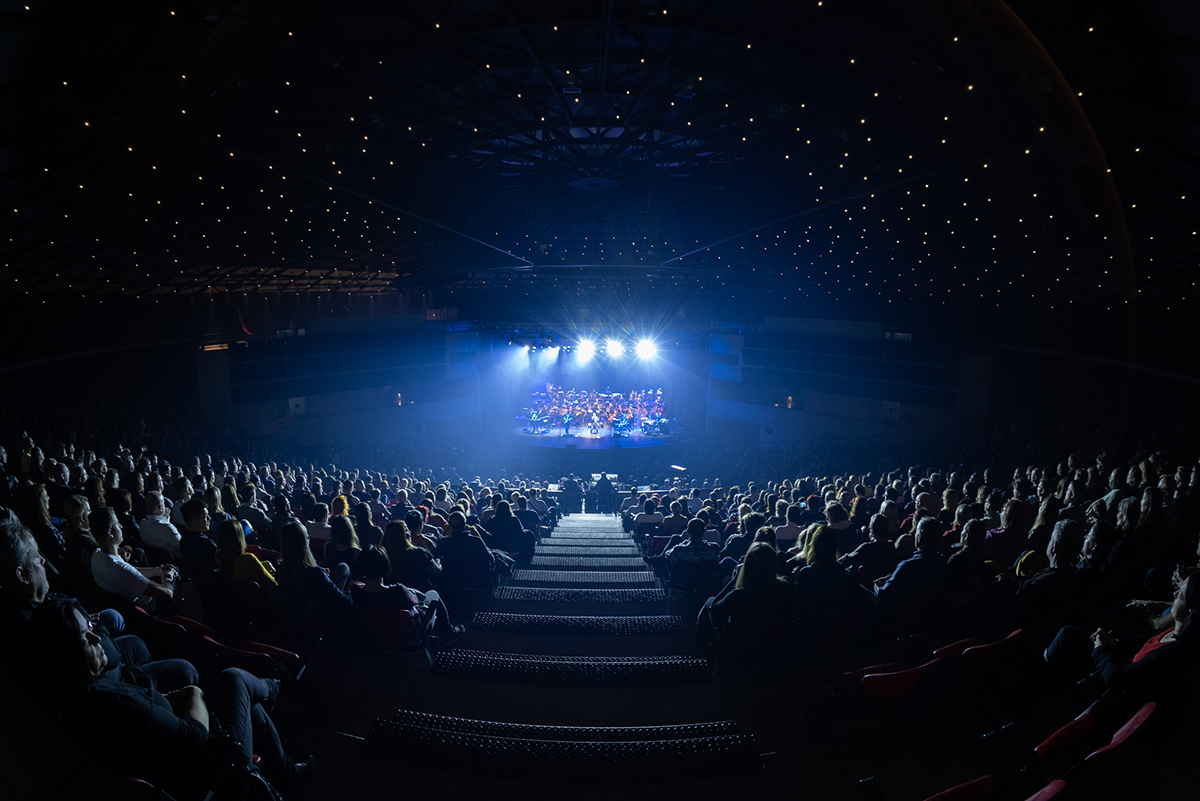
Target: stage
(583, 440)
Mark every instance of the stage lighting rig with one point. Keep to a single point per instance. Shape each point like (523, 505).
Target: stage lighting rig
(646, 349)
(586, 350)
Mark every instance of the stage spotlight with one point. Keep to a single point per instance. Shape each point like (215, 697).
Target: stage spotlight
(646, 349)
(587, 349)
(614, 348)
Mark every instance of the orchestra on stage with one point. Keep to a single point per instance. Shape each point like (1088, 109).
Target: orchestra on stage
(617, 413)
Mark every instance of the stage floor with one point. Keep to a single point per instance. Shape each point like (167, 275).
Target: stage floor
(582, 440)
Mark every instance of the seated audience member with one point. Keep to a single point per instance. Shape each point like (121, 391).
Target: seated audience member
(823, 583)
(693, 562)
(531, 521)
(953, 535)
(318, 528)
(924, 570)
(343, 546)
(235, 562)
(156, 530)
(756, 593)
(80, 542)
(252, 509)
(374, 593)
(1056, 587)
(113, 574)
(649, 516)
(423, 532)
(787, 534)
(198, 550)
(35, 514)
(466, 558)
(1135, 664)
(1097, 547)
(216, 510)
(402, 507)
(135, 731)
(538, 504)
(1003, 545)
(281, 516)
(412, 565)
(183, 493)
(508, 535)
(309, 594)
(676, 522)
(738, 544)
(1043, 524)
(877, 556)
(364, 526)
(967, 571)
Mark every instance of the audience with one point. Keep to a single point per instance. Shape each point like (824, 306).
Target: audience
(1092, 546)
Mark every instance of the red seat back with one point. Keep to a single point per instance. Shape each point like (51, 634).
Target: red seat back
(956, 648)
(1124, 733)
(968, 791)
(980, 656)
(1064, 736)
(972, 790)
(883, 686)
(1051, 790)
(658, 544)
(260, 665)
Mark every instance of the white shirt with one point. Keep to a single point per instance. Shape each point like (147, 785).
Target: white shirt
(114, 574)
(158, 532)
(319, 531)
(177, 516)
(787, 533)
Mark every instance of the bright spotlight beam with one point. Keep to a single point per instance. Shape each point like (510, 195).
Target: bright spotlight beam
(585, 351)
(614, 348)
(646, 349)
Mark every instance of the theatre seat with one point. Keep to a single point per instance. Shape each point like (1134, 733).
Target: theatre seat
(967, 791)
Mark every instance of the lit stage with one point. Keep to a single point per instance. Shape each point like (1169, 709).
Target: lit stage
(584, 440)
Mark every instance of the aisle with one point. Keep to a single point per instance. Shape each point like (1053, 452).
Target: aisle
(575, 666)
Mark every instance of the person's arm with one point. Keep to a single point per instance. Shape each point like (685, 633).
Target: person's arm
(434, 567)
(260, 571)
(1139, 675)
(188, 703)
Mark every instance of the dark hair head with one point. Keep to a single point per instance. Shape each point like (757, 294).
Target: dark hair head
(100, 522)
(193, 511)
(374, 563)
(695, 529)
(766, 534)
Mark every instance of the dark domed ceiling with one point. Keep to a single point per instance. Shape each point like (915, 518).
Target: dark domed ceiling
(781, 155)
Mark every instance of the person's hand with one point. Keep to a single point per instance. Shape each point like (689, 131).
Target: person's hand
(126, 552)
(1136, 604)
(1103, 639)
(169, 573)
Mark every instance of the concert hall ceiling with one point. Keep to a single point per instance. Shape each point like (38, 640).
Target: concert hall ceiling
(821, 155)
